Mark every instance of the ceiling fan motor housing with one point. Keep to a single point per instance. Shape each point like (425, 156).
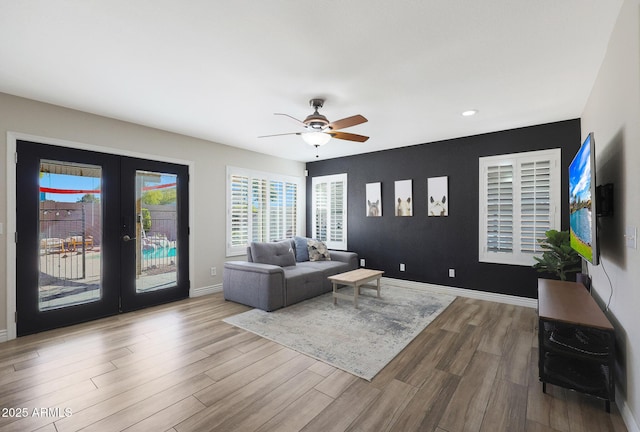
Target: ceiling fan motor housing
(316, 103)
(316, 121)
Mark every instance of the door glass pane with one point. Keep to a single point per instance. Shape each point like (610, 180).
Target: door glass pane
(156, 231)
(70, 221)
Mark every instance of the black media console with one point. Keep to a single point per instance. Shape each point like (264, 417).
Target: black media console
(576, 341)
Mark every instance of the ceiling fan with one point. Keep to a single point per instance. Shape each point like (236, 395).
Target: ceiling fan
(318, 130)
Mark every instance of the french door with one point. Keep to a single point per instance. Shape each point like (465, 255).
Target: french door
(98, 234)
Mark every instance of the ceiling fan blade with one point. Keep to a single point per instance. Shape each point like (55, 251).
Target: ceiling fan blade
(275, 135)
(347, 122)
(348, 136)
(292, 118)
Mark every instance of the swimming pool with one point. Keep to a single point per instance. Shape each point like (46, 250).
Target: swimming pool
(159, 253)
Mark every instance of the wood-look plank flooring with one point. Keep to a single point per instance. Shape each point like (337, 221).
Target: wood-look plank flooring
(179, 368)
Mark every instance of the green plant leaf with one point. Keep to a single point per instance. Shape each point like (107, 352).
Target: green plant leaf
(558, 258)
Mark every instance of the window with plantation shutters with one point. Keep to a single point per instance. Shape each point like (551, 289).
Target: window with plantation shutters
(261, 207)
(329, 208)
(519, 201)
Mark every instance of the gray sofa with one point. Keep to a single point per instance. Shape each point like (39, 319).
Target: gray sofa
(279, 274)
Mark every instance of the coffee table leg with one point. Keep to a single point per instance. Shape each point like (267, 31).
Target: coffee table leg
(378, 287)
(335, 299)
(356, 291)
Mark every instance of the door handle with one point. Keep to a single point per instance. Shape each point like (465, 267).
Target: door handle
(126, 238)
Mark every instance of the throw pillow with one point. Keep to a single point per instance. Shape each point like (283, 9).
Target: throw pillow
(276, 253)
(318, 250)
(302, 251)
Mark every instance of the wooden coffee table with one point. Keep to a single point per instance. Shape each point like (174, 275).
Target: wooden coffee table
(357, 279)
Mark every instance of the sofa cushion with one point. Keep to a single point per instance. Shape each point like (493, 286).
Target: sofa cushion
(326, 268)
(302, 282)
(318, 250)
(276, 253)
(302, 250)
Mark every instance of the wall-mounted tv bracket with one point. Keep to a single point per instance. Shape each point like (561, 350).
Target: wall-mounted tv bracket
(604, 200)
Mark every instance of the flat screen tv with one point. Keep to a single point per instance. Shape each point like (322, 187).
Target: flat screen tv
(582, 202)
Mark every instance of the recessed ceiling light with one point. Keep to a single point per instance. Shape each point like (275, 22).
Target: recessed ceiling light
(469, 113)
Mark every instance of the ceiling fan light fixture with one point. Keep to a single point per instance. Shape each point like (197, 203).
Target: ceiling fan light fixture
(316, 138)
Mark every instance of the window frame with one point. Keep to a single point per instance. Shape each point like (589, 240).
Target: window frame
(331, 243)
(233, 248)
(516, 256)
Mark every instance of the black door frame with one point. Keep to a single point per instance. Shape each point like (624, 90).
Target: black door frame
(130, 299)
(112, 236)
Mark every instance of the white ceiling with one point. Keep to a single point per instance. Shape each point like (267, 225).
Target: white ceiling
(219, 69)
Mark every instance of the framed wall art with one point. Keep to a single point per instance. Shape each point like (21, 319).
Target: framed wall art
(438, 196)
(374, 199)
(403, 202)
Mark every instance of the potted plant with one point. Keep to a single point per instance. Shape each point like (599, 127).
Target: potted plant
(558, 258)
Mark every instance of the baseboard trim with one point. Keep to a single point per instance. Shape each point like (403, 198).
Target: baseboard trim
(462, 292)
(625, 412)
(211, 289)
(3, 336)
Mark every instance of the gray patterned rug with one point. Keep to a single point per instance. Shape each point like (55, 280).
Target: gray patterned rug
(360, 341)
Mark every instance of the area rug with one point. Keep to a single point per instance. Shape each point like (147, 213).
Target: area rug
(359, 341)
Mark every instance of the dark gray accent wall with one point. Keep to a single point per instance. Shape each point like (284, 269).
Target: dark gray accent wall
(430, 246)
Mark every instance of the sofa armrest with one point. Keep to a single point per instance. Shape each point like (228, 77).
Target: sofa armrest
(350, 258)
(254, 284)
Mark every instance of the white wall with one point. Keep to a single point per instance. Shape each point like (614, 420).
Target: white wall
(207, 184)
(612, 112)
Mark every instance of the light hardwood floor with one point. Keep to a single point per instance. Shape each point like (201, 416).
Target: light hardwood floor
(178, 367)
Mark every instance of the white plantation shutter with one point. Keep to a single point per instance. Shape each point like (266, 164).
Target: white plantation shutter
(261, 207)
(519, 202)
(321, 207)
(330, 210)
(239, 209)
(259, 210)
(500, 208)
(291, 209)
(535, 204)
(338, 199)
(276, 210)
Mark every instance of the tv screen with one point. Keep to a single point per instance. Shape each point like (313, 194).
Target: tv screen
(582, 201)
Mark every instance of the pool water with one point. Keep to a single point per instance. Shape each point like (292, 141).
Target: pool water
(159, 253)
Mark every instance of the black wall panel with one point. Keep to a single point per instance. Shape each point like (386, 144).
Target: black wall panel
(430, 246)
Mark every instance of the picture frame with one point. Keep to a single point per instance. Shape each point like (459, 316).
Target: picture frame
(374, 199)
(403, 198)
(438, 196)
